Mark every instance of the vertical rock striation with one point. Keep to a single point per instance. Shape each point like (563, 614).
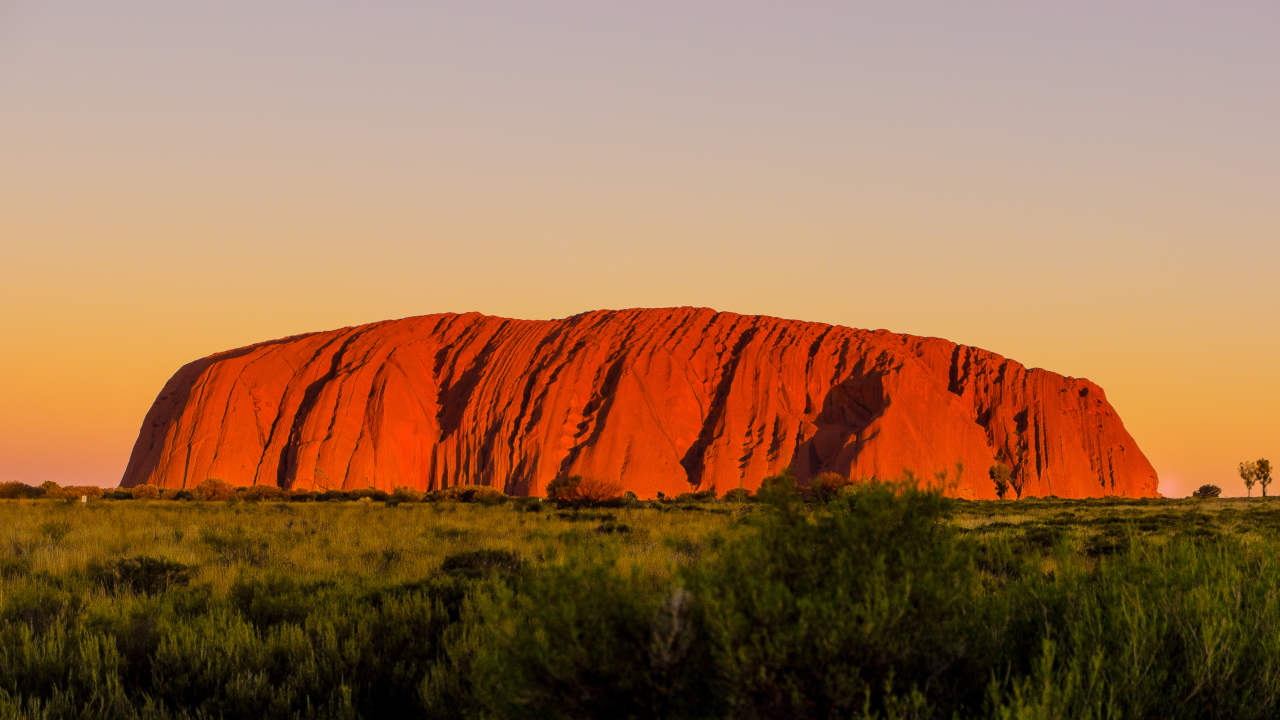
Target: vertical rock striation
(665, 400)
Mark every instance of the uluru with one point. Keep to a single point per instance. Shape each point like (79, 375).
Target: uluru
(659, 400)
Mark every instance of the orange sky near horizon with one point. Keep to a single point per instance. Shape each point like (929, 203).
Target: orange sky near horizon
(1091, 190)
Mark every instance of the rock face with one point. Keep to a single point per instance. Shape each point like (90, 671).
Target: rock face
(666, 400)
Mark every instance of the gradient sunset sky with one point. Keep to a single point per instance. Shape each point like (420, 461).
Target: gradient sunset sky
(1088, 187)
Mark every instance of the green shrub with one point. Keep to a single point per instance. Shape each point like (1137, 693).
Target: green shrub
(848, 610)
(1171, 630)
(141, 574)
(55, 531)
(779, 490)
(274, 599)
(235, 545)
(576, 641)
(41, 607)
(481, 563)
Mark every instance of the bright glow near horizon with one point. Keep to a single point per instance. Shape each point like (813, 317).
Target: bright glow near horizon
(1088, 188)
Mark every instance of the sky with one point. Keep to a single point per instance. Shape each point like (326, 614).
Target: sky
(1089, 187)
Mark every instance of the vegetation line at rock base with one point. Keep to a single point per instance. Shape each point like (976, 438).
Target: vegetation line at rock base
(870, 601)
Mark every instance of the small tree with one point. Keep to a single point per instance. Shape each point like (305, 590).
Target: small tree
(1000, 474)
(1207, 491)
(1249, 474)
(564, 487)
(1262, 473)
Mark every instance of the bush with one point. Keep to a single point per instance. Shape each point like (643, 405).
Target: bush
(1207, 491)
(145, 492)
(333, 496)
(55, 531)
(779, 489)
(826, 486)
(585, 491)
(273, 599)
(371, 494)
(52, 489)
(737, 495)
(17, 490)
(481, 563)
(564, 487)
(594, 490)
(41, 607)
(234, 545)
(848, 612)
(481, 494)
(141, 574)
(213, 489)
(576, 641)
(75, 492)
(258, 493)
(528, 504)
(406, 495)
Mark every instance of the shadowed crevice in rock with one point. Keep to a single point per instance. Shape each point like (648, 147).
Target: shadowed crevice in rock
(287, 470)
(694, 461)
(842, 425)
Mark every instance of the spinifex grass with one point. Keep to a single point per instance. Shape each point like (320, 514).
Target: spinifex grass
(879, 603)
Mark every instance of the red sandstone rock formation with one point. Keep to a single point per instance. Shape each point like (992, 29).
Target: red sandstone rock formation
(666, 400)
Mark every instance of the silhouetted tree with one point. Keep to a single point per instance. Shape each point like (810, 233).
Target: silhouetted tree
(1207, 491)
(1262, 473)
